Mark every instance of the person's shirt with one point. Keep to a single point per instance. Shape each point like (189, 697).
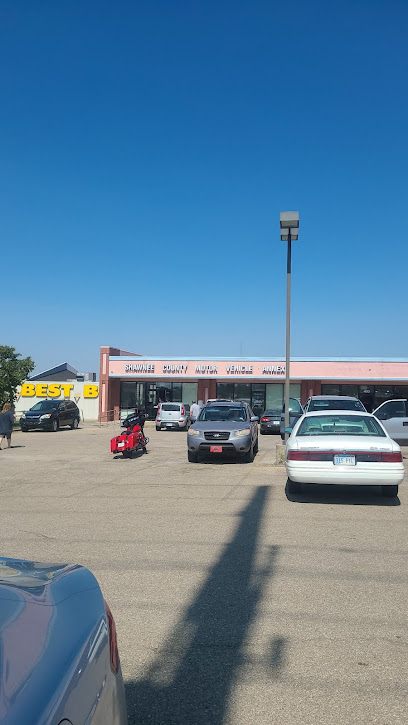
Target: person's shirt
(6, 422)
(195, 410)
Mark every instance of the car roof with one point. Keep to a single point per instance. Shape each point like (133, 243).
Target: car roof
(333, 397)
(311, 413)
(237, 403)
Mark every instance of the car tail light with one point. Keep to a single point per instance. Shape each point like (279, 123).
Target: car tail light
(182, 411)
(113, 641)
(298, 455)
(391, 457)
(264, 420)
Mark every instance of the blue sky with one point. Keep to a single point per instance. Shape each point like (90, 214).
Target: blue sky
(147, 149)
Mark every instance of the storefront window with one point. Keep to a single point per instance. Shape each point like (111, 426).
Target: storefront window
(274, 396)
(351, 390)
(242, 391)
(176, 397)
(225, 390)
(329, 389)
(189, 393)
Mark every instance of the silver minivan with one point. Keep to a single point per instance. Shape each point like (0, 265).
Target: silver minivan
(173, 415)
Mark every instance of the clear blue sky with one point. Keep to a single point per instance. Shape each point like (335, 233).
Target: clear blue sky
(147, 148)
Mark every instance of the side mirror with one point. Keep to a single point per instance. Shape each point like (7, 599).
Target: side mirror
(288, 430)
(254, 419)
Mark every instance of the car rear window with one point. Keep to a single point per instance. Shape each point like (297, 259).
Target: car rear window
(336, 405)
(169, 406)
(222, 412)
(321, 425)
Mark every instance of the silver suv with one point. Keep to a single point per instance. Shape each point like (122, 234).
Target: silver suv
(224, 428)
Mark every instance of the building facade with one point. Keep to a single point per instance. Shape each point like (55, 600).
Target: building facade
(128, 380)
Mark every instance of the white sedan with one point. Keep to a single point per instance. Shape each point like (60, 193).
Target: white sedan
(351, 448)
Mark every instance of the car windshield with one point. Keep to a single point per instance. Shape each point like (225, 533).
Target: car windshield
(45, 405)
(356, 425)
(222, 412)
(337, 404)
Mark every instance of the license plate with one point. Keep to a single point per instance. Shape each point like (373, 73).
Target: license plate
(169, 425)
(120, 445)
(215, 449)
(344, 460)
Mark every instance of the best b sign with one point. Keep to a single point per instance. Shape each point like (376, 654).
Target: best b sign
(55, 390)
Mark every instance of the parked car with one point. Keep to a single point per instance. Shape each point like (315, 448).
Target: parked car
(173, 415)
(270, 421)
(393, 415)
(333, 402)
(295, 412)
(59, 654)
(51, 415)
(224, 428)
(350, 448)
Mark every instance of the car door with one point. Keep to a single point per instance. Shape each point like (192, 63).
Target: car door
(62, 414)
(71, 408)
(393, 416)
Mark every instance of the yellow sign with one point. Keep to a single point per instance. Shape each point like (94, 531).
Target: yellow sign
(55, 390)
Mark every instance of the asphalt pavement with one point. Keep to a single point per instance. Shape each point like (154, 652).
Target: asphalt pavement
(235, 603)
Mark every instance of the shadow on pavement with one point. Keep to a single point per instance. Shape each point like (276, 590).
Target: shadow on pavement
(191, 679)
(337, 494)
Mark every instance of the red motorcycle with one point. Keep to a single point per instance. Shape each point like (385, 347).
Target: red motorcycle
(132, 440)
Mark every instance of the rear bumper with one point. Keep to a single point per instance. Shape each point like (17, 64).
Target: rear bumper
(368, 474)
(171, 424)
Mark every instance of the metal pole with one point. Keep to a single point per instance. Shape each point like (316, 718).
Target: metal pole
(287, 368)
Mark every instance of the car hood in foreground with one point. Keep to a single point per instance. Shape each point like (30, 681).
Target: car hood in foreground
(342, 442)
(52, 626)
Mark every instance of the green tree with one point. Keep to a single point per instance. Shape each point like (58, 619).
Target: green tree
(13, 372)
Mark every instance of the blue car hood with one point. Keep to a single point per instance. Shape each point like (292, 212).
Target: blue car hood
(47, 613)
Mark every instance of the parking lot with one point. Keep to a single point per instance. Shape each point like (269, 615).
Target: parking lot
(234, 602)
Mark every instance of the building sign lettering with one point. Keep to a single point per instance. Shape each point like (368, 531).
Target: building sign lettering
(206, 369)
(55, 390)
(239, 369)
(175, 368)
(273, 370)
(139, 368)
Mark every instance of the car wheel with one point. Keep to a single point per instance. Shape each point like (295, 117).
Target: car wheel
(158, 427)
(192, 457)
(75, 424)
(262, 432)
(249, 457)
(389, 491)
(294, 486)
(256, 446)
(24, 430)
(282, 438)
(54, 425)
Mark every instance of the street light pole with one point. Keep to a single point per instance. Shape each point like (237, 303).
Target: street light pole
(287, 365)
(289, 224)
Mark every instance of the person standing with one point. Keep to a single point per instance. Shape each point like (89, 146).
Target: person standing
(6, 424)
(194, 411)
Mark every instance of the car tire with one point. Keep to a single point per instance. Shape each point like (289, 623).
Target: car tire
(54, 425)
(249, 457)
(24, 430)
(256, 446)
(192, 457)
(158, 427)
(75, 424)
(294, 486)
(389, 491)
(262, 432)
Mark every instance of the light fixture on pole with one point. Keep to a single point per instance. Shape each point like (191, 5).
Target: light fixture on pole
(289, 230)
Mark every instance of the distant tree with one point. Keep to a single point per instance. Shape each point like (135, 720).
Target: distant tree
(13, 372)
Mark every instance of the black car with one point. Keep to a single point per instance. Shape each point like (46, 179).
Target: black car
(270, 421)
(51, 415)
